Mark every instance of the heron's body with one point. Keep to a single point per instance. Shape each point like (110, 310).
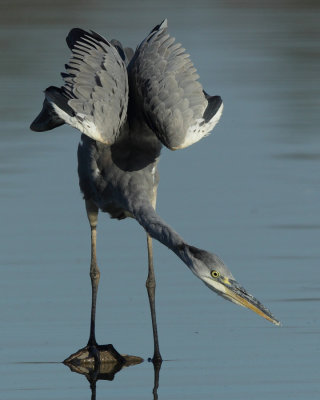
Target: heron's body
(116, 176)
(127, 106)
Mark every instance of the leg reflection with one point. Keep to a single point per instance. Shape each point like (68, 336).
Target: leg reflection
(157, 367)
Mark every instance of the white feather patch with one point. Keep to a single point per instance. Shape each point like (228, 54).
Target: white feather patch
(80, 122)
(214, 284)
(153, 173)
(199, 130)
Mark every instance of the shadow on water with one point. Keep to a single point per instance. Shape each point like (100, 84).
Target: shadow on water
(107, 372)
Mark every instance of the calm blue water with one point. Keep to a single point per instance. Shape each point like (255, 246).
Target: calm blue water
(249, 192)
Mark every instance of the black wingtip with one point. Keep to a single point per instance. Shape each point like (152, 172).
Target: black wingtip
(74, 36)
(77, 35)
(47, 119)
(58, 97)
(214, 104)
(162, 25)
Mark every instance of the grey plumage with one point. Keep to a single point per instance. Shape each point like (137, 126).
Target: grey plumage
(127, 105)
(166, 92)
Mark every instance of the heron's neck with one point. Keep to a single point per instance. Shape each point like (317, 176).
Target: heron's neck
(145, 214)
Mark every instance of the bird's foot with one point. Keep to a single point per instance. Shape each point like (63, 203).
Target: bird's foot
(97, 354)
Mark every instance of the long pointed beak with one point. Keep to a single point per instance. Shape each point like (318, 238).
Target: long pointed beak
(231, 290)
(238, 295)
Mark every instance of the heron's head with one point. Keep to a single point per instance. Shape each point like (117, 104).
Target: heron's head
(215, 274)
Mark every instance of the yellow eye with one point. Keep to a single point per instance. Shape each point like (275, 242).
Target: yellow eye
(215, 274)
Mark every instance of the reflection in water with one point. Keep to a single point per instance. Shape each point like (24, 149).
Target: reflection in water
(266, 173)
(107, 371)
(94, 373)
(156, 366)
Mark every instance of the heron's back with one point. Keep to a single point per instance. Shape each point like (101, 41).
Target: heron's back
(114, 176)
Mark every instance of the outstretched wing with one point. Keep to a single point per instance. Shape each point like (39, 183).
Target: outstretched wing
(94, 98)
(164, 89)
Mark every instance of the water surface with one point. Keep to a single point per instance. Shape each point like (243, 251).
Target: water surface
(249, 192)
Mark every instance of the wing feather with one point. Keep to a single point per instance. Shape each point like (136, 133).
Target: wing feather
(164, 89)
(96, 87)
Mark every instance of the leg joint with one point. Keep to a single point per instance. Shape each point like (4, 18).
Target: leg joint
(94, 272)
(150, 283)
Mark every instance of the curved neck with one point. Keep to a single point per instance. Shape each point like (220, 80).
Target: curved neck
(145, 214)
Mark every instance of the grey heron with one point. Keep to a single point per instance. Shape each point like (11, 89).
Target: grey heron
(128, 105)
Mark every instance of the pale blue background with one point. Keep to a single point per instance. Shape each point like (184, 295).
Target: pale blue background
(249, 192)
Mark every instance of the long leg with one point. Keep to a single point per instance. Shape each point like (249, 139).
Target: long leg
(151, 286)
(92, 212)
(100, 353)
